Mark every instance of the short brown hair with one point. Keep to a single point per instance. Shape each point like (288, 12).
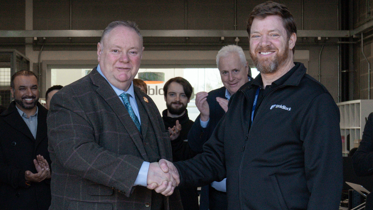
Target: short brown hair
(272, 8)
(188, 89)
(24, 73)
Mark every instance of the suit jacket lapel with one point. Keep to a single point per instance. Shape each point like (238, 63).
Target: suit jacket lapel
(151, 110)
(143, 115)
(108, 94)
(15, 120)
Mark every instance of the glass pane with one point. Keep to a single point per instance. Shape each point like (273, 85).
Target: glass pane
(66, 76)
(5, 77)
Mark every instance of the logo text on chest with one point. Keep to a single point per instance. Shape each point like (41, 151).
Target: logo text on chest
(280, 106)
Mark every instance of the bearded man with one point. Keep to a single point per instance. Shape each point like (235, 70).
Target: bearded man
(177, 94)
(24, 158)
(279, 143)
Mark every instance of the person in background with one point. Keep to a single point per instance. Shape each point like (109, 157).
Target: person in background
(105, 134)
(141, 84)
(234, 72)
(24, 158)
(177, 94)
(50, 93)
(362, 159)
(279, 144)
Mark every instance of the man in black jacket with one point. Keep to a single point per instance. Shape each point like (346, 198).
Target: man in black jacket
(177, 94)
(24, 158)
(279, 143)
(363, 157)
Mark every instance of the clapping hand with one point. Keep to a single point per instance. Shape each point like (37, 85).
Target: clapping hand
(175, 131)
(42, 168)
(203, 106)
(223, 103)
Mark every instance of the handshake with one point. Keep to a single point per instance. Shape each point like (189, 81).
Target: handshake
(163, 177)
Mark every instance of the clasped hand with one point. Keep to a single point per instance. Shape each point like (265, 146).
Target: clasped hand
(163, 177)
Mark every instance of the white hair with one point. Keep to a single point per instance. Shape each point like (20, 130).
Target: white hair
(227, 50)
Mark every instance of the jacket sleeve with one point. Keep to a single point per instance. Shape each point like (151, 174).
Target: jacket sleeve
(363, 157)
(11, 175)
(74, 142)
(212, 162)
(322, 147)
(181, 150)
(198, 136)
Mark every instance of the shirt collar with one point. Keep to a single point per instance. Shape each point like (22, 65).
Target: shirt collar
(259, 82)
(117, 90)
(25, 115)
(228, 95)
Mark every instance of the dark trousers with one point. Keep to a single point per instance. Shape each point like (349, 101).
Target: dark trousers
(217, 200)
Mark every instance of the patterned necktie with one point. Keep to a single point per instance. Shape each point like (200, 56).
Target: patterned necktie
(126, 102)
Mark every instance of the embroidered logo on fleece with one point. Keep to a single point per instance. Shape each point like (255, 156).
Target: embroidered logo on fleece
(280, 106)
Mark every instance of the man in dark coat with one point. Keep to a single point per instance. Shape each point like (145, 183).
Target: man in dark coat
(105, 134)
(234, 72)
(24, 158)
(363, 157)
(279, 144)
(177, 94)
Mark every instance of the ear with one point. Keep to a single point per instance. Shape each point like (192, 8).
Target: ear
(292, 41)
(12, 91)
(99, 51)
(247, 68)
(143, 48)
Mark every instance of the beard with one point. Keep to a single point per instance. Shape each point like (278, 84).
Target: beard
(27, 106)
(269, 65)
(176, 111)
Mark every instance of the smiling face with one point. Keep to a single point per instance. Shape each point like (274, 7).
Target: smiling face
(270, 48)
(176, 99)
(119, 56)
(233, 72)
(25, 92)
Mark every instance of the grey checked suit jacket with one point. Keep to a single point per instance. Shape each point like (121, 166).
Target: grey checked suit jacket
(96, 149)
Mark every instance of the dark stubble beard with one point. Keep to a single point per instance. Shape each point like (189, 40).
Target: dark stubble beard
(178, 111)
(20, 102)
(269, 65)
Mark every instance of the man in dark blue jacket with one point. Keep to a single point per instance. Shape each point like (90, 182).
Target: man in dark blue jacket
(235, 72)
(279, 143)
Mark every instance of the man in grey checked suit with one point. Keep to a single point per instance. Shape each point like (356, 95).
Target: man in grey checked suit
(105, 134)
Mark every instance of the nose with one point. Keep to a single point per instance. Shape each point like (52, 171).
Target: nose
(29, 92)
(124, 58)
(264, 41)
(230, 76)
(177, 98)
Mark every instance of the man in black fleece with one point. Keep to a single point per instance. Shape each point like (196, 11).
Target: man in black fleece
(177, 94)
(279, 143)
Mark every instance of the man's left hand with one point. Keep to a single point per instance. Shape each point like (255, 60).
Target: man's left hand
(223, 103)
(175, 131)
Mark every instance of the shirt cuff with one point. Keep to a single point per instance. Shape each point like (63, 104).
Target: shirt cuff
(142, 177)
(204, 123)
(220, 186)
